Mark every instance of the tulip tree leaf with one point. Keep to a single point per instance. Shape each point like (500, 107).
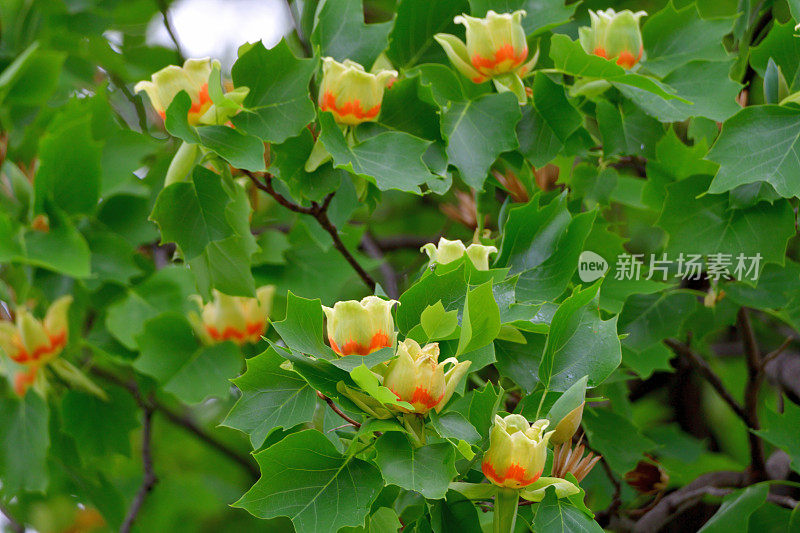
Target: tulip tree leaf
(271, 397)
(391, 160)
(24, 441)
(301, 330)
(570, 58)
(553, 106)
(542, 15)
(558, 515)
(239, 149)
(603, 428)
(411, 41)
(770, 135)
(577, 330)
(277, 106)
(673, 37)
(438, 323)
(170, 353)
(340, 33)
(102, 427)
(478, 131)
(449, 288)
(304, 478)
(427, 469)
(480, 322)
(705, 225)
(736, 509)
(780, 429)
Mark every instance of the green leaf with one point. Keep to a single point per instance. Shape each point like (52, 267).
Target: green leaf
(170, 353)
(449, 288)
(340, 33)
(572, 398)
(736, 510)
(480, 322)
(569, 58)
(69, 171)
(304, 478)
(542, 15)
(772, 136)
(603, 428)
(483, 405)
(427, 470)
(32, 77)
(455, 513)
(24, 441)
(673, 37)
(576, 330)
(782, 47)
(438, 323)
(277, 106)
(558, 515)
(780, 429)
(706, 225)
(453, 425)
(478, 131)
(239, 149)
(537, 141)
(391, 160)
(417, 21)
(100, 427)
(370, 384)
(552, 105)
(301, 330)
(271, 398)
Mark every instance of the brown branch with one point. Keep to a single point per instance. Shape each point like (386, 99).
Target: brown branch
(320, 213)
(776, 352)
(181, 420)
(338, 411)
(162, 6)
(149, 480)
(755, 375)
(604, 516)
(702, 368)
(677, 501)
(15, 525)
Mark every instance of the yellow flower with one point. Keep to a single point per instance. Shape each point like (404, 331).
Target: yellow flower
(351, 94)
(614, 36)
(495, 46)
(234, 318)
(448, 251)
(517, 451)
(416, 376)
(361, 327)
(193, 78)
(33, 342)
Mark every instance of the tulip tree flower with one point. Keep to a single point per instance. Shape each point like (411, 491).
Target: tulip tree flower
(33, 342)
(496, 49)
(614, 36)
(350, 93)
(517, 451)
(416, 376)
(448, 251)
(233, 318)
(361, 327)
(25, 380)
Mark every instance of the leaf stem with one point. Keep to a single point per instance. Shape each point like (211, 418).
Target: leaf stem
(505, 510)
(338, 411)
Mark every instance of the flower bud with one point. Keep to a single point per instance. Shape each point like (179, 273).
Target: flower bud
(416, 376)
(351, 94)
(568, 425)
(361, 327)
(614, 36)
(495, 46)
(234, 318)
(31, 342)
(448, 251)
(517, 451)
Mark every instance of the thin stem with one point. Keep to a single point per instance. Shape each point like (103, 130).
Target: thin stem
(755, 375)
(320, 213)
(776, 352)
(338, 411)
(15, 525)
(162, 6)
(149, 480)
(505, 510)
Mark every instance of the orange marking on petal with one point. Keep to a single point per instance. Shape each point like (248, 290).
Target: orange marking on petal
(479, 79)
(24, 380)
(423, 397)
(514, 472)
(236, 335)
(378, 341)
(506, 53)
(627, 59)
(600, 51)
(352, 107)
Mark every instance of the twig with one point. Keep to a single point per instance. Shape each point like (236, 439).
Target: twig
(292, 6)
(776, 352)
(604, 516)
(149, 480)
(755, 375)
(783, 501)
(162, 6)
(136, 101)
(320, 213)
(181, 420)
(700, 365)
(388, 273)
(338, 411)
(13, 523)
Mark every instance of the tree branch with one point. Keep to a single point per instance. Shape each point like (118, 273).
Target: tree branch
(755, 375)
(162, 6)
(702, 368)
(320, 213)
(149, 480)
(338, 411)
(15, 525)
(181, 420)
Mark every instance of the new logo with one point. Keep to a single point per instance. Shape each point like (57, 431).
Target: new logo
(591, 266)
